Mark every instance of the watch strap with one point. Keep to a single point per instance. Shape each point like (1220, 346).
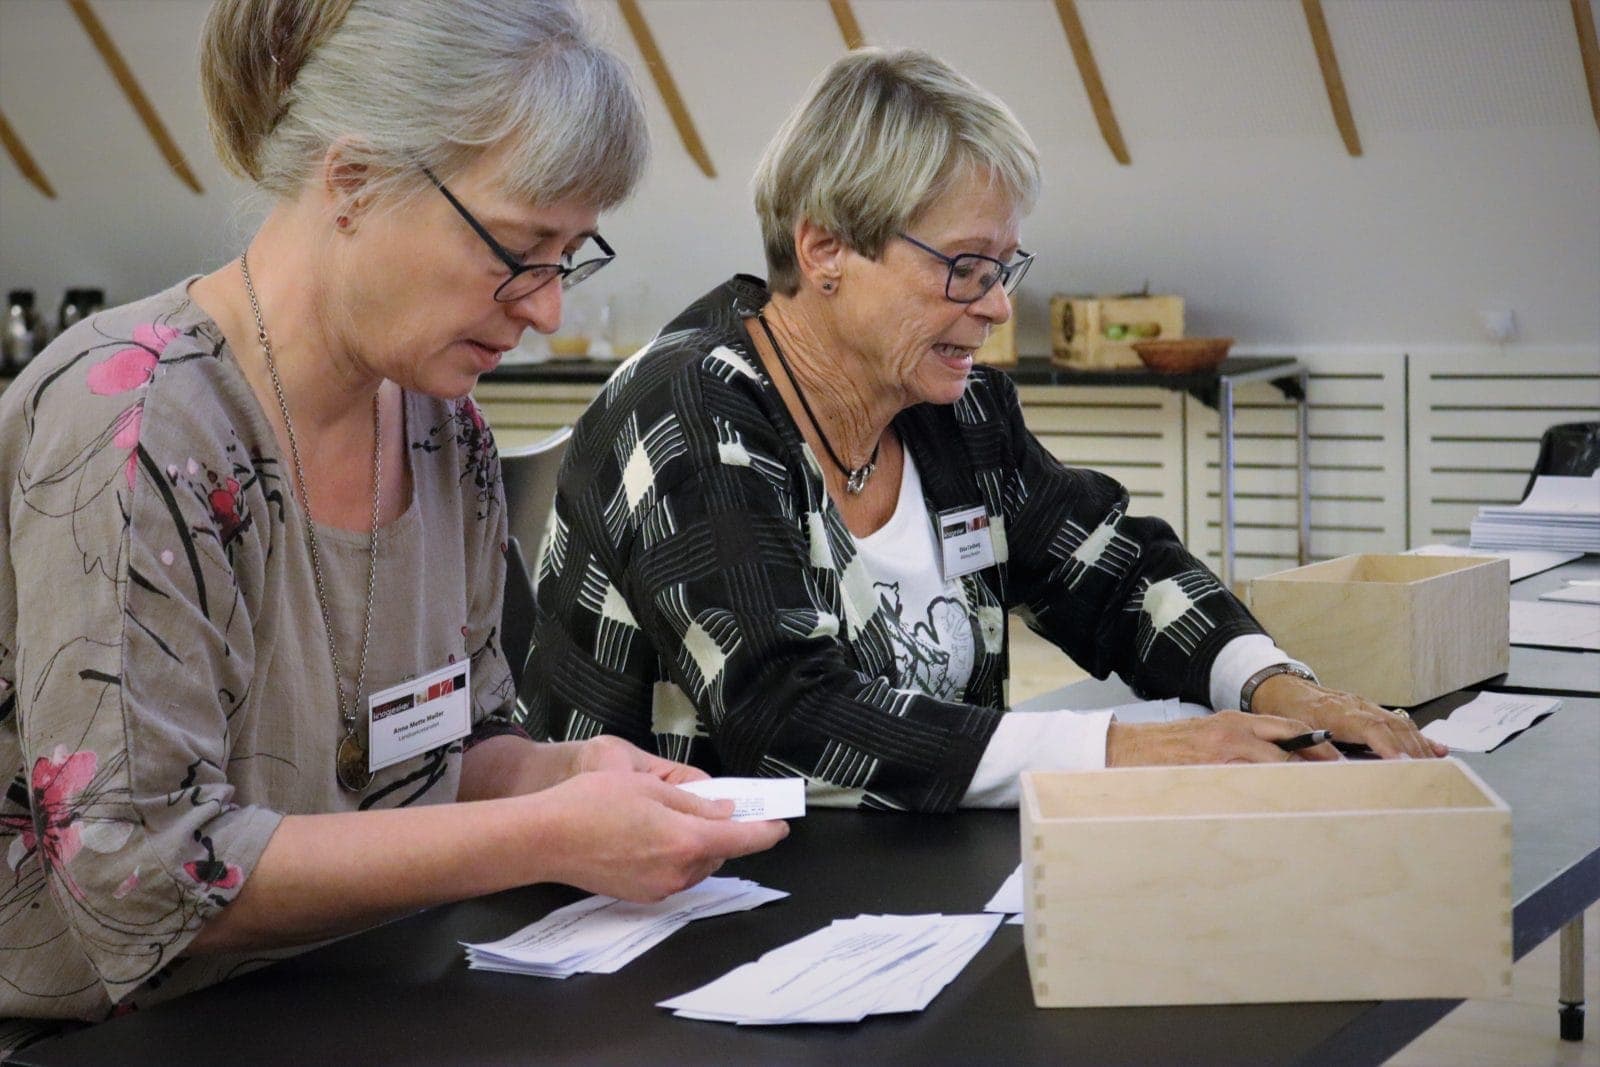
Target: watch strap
(1248, 690)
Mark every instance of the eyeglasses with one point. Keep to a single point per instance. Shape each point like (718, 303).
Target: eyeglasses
(972, 276)
(528, 278)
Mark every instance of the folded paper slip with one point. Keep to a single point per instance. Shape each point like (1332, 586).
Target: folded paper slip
(600, 934)
(872, 964)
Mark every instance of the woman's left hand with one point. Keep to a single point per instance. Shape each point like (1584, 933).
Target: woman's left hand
(607, 753)
(1389, 734)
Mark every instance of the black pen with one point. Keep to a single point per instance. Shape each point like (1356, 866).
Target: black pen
(1295, 744)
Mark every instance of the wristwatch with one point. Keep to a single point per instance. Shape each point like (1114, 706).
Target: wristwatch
(1248, 690)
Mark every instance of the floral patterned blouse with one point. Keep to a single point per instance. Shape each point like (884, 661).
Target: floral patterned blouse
(166, 694)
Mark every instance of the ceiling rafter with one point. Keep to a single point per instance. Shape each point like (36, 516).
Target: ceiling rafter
(1089, 71)
(634, 17)
(1332, 79)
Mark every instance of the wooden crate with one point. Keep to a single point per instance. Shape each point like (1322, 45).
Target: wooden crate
(1079, 325)
(1398, 630)
(1000, 350)
(1356, 880)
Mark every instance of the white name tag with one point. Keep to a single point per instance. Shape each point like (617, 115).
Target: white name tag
(428, 711)
(966, 542)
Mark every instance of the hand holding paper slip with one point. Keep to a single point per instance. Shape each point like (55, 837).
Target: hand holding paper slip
(755, 799)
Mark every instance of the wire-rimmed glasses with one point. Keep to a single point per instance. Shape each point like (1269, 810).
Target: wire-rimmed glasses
(972, 276)
(528, 278)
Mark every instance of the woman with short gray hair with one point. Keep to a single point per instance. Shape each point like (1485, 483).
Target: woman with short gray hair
(255, 528)
(787, 535)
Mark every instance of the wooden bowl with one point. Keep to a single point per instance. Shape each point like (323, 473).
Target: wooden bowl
(1187, 355)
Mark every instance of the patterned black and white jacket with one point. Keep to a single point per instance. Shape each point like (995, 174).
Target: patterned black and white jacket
(699, 595)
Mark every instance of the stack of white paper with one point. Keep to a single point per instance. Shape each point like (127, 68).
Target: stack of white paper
(869, 965)
(1489, 720)
(600, 934)
(1559, 513)
(1524, 562)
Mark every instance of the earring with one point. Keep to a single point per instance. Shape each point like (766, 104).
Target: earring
(343, 222)
(827, 287)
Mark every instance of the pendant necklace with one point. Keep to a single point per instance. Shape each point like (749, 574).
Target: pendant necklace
(855, 479)
(350, 761)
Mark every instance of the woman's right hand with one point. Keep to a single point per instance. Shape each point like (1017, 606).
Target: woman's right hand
(1224, 737)
(630, 835)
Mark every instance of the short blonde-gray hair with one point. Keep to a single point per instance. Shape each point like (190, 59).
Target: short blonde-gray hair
(879, 138)
(403, 84)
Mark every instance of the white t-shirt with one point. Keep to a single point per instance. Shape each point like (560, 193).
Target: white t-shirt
(937, 634)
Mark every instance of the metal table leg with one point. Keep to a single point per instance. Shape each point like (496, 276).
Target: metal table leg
(1303, 458)
(1225, 411)
(1571, 993)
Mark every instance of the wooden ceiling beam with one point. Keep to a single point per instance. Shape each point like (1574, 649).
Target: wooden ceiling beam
(665, 85)
(1089, 71)
(23, 159)
(1332, 79)
(1583, 22)
(849, 28)
(123, 74)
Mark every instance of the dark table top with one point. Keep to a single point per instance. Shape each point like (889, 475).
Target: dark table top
(402, 994)
(1567, 672)
(1029, 370)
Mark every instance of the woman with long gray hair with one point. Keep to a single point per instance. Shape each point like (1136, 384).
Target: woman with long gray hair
(251, 685)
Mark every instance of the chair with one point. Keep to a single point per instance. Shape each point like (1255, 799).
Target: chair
(516, 612)
(1568, 449)
(529, 475)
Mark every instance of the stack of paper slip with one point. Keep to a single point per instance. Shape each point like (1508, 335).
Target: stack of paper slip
(869, 965)
(600, 934)
(1559, 513)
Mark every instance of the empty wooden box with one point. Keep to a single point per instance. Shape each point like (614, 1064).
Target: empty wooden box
(1398, 630)
(1357, 880)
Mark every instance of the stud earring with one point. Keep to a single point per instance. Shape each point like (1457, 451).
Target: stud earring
(827, 287)
(343, 222)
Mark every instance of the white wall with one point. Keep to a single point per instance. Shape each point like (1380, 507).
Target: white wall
(1479, 186)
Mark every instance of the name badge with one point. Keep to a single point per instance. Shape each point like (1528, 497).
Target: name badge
(966, 542)
(430, 710)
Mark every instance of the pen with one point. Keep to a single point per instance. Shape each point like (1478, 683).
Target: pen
(1295, 744)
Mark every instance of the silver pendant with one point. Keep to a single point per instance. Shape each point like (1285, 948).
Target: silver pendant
(351, 763)
(856, 481)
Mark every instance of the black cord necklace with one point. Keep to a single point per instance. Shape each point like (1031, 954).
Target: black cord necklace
(854, 480)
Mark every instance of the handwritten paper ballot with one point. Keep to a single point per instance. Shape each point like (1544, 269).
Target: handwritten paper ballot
(600, 934)
(755, 799)
(1489, 720)
(869, 965)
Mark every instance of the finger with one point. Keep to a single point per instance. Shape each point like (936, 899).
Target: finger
(1275, 727)
(1319, 753)
(730, 839)
(675, 773)
(686, 802)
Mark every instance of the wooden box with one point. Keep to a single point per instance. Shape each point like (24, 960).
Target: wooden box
(1096, 333)
(1398, 630)
(1000, 350)
(1356, 880)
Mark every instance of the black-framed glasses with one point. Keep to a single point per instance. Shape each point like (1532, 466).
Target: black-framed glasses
(528, 278)
(972, 276)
